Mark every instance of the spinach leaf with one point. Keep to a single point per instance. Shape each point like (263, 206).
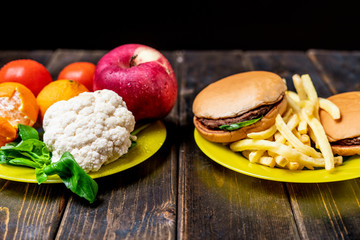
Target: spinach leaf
(236, 126)
(27, 132)
(40, 175)
(32, 149)
(73, 176)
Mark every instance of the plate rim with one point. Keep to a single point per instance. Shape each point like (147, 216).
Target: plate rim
(95, 175)
(326, 178)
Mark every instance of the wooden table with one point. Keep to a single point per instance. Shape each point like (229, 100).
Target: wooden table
(180, 193)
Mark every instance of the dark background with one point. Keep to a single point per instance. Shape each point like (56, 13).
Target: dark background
(247, 25)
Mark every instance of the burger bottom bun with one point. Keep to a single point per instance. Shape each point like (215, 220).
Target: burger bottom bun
(222, 136)
(346, 150)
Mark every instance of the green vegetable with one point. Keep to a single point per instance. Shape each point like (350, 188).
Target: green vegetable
(32, 152)
(236, 126)
(135, 132)
(73, 176)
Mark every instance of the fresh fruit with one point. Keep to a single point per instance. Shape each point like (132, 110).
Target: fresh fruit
(82, 72)
(142, 76)
(28, 72)
(62, 89)
(17, 105)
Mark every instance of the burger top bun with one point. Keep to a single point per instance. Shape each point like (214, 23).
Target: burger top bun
(348, 126)
(238, 93)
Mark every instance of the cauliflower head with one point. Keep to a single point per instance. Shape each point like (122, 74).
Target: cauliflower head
(94, 127)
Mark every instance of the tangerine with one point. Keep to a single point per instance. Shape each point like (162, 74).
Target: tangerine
(62, 89)
(17, 105)
(82, 72)
(28, 72)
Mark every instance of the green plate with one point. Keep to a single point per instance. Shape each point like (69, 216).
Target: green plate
(221, 154)
(149, 142)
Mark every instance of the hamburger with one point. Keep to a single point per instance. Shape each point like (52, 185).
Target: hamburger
(344, 133)
(230, 108)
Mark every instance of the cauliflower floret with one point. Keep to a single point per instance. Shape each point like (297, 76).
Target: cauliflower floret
(94, 127)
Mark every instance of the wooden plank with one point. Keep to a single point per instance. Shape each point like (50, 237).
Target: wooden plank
(286, 64)
(30, 211)
(139, 203)
(41, 56)
(322, 211)
(63, 57)
(340, 69)
(215, 202)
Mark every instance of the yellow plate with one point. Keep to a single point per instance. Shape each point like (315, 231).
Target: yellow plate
(221, 154)
(148, 143)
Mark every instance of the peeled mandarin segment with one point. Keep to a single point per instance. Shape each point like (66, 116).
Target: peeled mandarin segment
(7, 131)
(18, 104)
(29, 108)
(7, 91)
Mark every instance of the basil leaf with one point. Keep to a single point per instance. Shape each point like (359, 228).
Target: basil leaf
(23, 162)
(33, 149)
(40, 175)
(27, 132)
(236, 126)
(73, 176)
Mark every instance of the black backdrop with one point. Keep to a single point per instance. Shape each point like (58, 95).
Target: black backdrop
(248, 25)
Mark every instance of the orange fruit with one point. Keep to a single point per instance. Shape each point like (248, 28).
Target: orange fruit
(82, 72)
(62, 89)
(17, 105)
(28, 72)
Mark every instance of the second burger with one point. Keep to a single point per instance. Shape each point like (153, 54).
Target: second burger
(230, 108)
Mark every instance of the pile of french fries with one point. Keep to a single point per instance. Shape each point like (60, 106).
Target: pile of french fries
(297, 140)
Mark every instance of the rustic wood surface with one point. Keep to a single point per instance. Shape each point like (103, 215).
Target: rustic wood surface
(180, 193)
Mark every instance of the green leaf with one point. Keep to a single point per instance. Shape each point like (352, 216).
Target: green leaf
(40, 175)
(236, 126)
(23, 162)
(135, 132)
(27, 132)
(32, 149)
(74, 177)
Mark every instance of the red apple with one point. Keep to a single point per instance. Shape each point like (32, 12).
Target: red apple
(142, 76)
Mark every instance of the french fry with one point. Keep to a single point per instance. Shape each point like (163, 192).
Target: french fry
(329, 107)
(311, 93)
(267, 161)
(281, 161)
(288, 113)
(255, 156)
(302, 127)
(286, 132)
(293, 95)
(322, 140)
(299, 87)
(263, 134)
(305, 139)
(287, 152)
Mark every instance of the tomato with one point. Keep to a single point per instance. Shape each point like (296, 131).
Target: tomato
(82, 72)
(28, 72)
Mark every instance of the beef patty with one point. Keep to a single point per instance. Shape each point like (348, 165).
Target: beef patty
(348, 141)
(252, 114)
